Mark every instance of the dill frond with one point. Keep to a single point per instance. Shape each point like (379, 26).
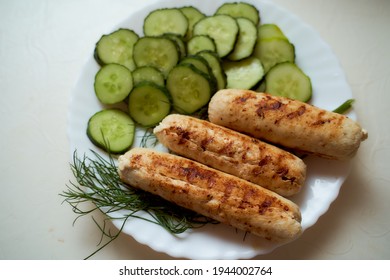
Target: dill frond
(148, 140)
(98, 182)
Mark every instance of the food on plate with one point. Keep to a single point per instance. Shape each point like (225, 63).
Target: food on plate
(286, 79)
(274, 51)
(160, 52)
(149, 103)
(113, 83)
(233, 153)
(212, 193)
(112, 130)
(286, 122)
(185, 58)
(190, 88)
(199, 43)
(239, 10)
(193, 15)
(223, 29)
(165, 20)
(215, 64)
(246, 39)
(148, 74)
(243, 74)
(116, 47)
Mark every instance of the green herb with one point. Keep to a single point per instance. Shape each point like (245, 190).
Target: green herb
(98, 182)
(149, 139)
(344, 107)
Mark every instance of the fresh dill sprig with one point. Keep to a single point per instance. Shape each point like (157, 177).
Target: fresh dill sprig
(149, 139)
(98, 182)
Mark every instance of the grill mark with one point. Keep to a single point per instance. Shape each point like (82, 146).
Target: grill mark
(245, 202)
(193, 174)
(227, 192)
(263, 207)
(268, 104)
(301, 110)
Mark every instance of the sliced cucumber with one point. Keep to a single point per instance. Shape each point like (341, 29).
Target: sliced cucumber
(113, 83)
(270, 31)
(169, 20)
(246, 41)
(116, 47)
(148, 74)
(112, 130)
(216, 67)
(200, 43)
(149, 104)
(223, 29)
(288, 80)
(159, 52)
(243, 74)
(274, 51)
(240, 9)
(190, 88)
(179, 40)
(201, 64)
(193, 15)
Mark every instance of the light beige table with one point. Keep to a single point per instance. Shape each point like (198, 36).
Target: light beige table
(43, 47)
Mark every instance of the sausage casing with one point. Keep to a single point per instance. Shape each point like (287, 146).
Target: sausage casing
(233, 152)
(212, 193)
(289, 123)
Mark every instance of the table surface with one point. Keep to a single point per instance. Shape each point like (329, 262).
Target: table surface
(43, 47)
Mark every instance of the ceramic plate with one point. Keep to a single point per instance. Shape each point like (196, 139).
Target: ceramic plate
(324, 178)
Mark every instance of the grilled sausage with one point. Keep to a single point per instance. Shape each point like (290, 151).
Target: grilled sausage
(289, 123)
(212, 193)
(233, 152)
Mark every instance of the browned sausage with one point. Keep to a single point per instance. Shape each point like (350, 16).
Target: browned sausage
(289, 123)
(212, 193)
(233, 152)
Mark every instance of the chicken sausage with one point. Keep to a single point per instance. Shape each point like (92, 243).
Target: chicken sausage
(286, 122)
(212, 193)
(233, 153)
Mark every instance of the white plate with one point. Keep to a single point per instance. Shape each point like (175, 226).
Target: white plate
(324, 178)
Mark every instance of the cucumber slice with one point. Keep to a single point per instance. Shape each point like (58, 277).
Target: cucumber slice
(169, 20)
(223, 29)
(288, 80)
(216, 67)
(149, 104)
(246, 41)
(159, 52)
(243, 74)
(270, 31)
(240, 9)
(193, 15)
(113, 83)
(274, 51)
(148, 74)
(116, 47)
(112, 130)
(201, 64)
(181, 46)
(200, 43)
(190, 88)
